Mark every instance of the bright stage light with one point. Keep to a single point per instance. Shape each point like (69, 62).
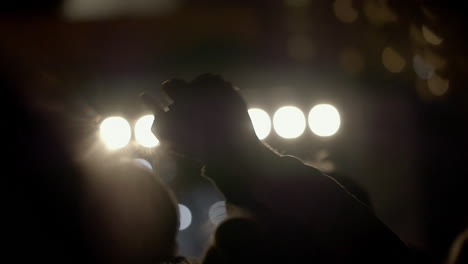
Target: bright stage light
(143, 134)
(324, 120)
(115, 132)
(289, 122)
(185, 217)
(261, 122)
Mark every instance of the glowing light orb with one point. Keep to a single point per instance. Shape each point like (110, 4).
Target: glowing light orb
(392, 60)
(115, 132)
(437, 85)
(324, 120)
(289, 122)
(143, 134)
(430, 36)
(422, 68)
(344, 11)
(185, 217)
(217, 212)
(261, 122)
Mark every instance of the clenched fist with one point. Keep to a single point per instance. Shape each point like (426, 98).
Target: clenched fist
(207, 121)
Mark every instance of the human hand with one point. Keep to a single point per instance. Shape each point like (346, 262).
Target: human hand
(207, 121)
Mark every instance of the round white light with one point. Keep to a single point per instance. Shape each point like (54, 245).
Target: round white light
(217, 212)
(324, 120)
(115, 132)
(185, 217)
(261, 122)
(289, 122)
(143, 134)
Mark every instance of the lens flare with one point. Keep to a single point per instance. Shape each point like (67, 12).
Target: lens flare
(324, 120)
(289, 122)
(261, 122)
(115, 132)
(143, 134)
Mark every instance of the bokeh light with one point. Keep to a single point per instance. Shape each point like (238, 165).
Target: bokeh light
(144, 163)
(344, 11)
(437, 85)
(289, 122)
(324, 120)
(92, 10)
(261, 122)
(217, 212)
(430, 36)
(185, 217)
(143, 134)
(378, 13)
(115, 132)
(392, 60)
(422, 68)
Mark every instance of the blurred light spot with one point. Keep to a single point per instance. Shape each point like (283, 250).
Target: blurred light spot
(289, 122)
(324, 120)
(379, 13)
(217, 212)
(297, 3)
(423, 69)
(261, 122)
(144, 163)
(300, 47)
(392, 60)
(185, 217)
(99, 9)
(430, 36)
(437, 85)
(115, 132)
(351, 61)
(344, 11)
(143, 134)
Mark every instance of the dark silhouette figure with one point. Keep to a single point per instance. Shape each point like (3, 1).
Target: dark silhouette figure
(281, 210)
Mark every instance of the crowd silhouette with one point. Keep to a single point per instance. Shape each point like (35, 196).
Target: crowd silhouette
(65, 202)
(88, 211)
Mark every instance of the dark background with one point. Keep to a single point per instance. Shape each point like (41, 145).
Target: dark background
(404, 135)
